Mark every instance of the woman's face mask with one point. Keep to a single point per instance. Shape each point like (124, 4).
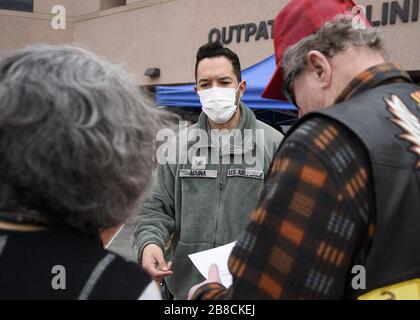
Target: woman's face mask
(219, 104)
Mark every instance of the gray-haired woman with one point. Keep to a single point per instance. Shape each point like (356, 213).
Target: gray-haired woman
(76, 144)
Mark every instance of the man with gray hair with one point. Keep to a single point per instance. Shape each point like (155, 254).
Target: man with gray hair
(339, 215)
(76, 138)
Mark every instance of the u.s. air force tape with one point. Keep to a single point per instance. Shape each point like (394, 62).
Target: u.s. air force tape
(246, 173)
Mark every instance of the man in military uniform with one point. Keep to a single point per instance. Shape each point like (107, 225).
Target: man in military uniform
(204, 199)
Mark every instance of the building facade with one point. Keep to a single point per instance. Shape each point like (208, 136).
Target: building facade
(165, 34)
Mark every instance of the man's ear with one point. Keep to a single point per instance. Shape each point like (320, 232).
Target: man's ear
(195, 89)
(320, 68)
(242, 88)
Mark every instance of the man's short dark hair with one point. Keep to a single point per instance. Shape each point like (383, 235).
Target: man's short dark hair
(216, 49)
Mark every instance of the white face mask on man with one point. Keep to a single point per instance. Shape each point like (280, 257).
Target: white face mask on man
(219, 104)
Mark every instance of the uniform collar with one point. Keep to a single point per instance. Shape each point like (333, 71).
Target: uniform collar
(247, 121)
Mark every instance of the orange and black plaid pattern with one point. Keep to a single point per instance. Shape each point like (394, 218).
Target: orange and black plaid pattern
(302, 236)
(314, 213)
(373, 77)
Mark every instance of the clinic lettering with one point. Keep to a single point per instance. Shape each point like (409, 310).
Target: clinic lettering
(240, 32)
(405, 11)
(390, 12)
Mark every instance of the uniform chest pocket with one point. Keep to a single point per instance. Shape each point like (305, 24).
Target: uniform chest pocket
(198, 185)
(199, 195)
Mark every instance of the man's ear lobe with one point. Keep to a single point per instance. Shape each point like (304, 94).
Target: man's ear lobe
(195, 89)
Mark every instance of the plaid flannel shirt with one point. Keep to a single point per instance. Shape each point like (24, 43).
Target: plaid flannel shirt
(313, 215)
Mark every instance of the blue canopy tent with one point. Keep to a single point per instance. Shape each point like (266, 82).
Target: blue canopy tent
(256, 76)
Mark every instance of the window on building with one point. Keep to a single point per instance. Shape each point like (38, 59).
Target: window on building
(108, 4)
(18, 5)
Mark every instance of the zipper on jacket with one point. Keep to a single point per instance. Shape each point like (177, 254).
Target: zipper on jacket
(220, 197)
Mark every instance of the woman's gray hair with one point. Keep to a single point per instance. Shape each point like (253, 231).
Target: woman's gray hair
(331, 38)
(76, 138)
